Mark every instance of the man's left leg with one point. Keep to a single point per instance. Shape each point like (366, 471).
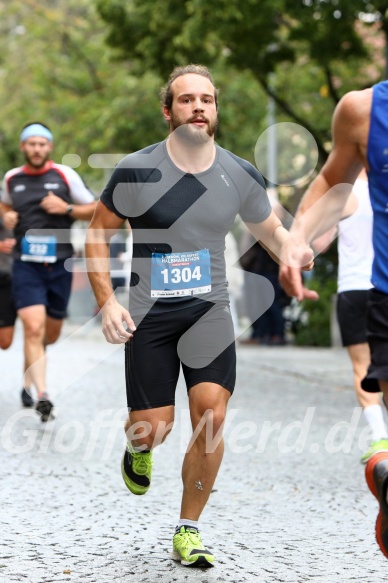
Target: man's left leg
(208, 404)
(52, 330)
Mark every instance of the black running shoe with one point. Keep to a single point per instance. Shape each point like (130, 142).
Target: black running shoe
(27, 400)
(44, 406)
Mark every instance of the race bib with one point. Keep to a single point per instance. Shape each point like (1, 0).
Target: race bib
(180, 274)
(40, 249)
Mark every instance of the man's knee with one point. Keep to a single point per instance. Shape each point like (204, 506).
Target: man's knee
(33, 330)
(148, 428)
(34, 320)
(211, 421)
(208, 408)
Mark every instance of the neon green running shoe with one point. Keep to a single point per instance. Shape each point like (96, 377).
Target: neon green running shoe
(188, 548)
(136, 469)
(375, 447)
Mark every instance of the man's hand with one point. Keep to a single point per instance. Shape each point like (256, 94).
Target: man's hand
(296, 257)
(291, 281)
(53, 204)
(10, 220)
(114, 316)
(6, 245)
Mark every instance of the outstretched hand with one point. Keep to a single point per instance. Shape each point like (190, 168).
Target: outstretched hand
(291, 281)
(295, 258)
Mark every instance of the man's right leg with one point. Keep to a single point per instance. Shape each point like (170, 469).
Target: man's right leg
(34, 323)
(52, 332)
(151, 369)
(34, 326)
(145, 430)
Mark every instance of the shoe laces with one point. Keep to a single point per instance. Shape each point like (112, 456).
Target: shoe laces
(142, 462)
(191, 539)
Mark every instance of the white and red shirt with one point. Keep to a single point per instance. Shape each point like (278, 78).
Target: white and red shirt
(24, 190)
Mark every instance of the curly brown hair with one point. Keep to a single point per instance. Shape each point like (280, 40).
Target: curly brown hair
(166, 95)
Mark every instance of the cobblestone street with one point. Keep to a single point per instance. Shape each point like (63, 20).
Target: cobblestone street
(290, 502)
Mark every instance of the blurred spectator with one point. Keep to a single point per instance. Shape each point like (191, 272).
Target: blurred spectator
(269, 328)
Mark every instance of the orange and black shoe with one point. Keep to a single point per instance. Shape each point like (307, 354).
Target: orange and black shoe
(376, 473)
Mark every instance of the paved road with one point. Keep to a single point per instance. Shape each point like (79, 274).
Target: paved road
(290, 502)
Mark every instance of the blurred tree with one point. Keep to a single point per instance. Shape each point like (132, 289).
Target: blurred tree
(317, 48)
(55, 67)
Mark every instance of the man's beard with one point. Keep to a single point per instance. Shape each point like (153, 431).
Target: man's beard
(194, 136)
(34, 164)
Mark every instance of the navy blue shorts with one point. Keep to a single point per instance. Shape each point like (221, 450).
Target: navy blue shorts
(7, 307)
(47, 284)
(198, 338)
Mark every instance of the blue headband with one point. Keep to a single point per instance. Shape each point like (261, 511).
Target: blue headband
(36, 130)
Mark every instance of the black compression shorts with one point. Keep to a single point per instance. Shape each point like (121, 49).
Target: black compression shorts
(200, 338)
(351, 315)
(377, 335)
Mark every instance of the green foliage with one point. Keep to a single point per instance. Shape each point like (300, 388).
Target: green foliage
(316, 330)
(58, 70)
(316, 49)
(55, 66)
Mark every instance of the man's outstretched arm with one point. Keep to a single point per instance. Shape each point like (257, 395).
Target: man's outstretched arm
(326, 197)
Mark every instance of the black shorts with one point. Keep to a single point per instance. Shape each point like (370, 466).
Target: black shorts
(199, 337)
(351, 316)
(377, 335)
(7, 307)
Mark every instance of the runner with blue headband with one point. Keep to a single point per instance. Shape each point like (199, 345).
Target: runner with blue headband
(40, 201)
